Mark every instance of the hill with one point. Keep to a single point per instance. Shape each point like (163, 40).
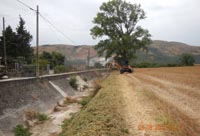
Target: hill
(162, 52)
(168, 52)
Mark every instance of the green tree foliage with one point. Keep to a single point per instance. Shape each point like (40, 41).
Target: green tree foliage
(10, 43)
(116, 25)
(57, 58)
(187, 59)
(17, 43)
(23, 41)
(53, 59)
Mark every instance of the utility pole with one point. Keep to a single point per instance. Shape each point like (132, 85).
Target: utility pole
(4, 44)
(37, 43)
(88, 59)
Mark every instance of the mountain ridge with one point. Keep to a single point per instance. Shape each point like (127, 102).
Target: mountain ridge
(163, 52)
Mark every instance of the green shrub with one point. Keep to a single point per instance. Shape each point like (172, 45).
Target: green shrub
(85, 100)
(42, 117)
(85, 87)
(73, 82)
(187, 59)
(85, 79)
(20, 130)
(59, 69)
(125, 131)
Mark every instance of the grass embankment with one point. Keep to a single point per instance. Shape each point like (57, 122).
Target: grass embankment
(102, 116)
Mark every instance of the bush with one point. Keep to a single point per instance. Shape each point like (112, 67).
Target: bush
(85, 86)
(73, 82)
(125, 130)
(59, 69)
(42, 117)
(85, 100)
(20, 130)
(187, 59)
(85, 79)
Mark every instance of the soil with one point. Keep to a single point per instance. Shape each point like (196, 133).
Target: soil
(157, 105)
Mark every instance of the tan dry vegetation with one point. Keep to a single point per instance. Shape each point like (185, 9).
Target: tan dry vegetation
(148, 102)
(103, 116)
(189, 76)
(178, 91)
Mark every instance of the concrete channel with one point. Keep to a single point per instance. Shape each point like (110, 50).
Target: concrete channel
(41, 94)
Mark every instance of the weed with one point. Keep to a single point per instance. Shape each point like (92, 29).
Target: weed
(67, 122)
(85, 79)
(30, 114)
(125, 130)
(101, 116)
(20, 130)
(85, 100)
(85, 86)
(42, 117)
(73, 82)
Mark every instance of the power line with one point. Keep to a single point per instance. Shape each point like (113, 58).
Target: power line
(26, 5)
(57, 29)
(49, 22)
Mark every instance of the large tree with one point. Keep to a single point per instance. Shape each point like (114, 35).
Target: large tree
(10, 44)
(116, 25)
(17, 43)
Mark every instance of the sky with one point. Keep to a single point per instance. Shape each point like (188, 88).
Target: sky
(169, 20)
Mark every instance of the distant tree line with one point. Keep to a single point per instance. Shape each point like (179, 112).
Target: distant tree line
(185, 59)
(18, 44)
(52, 59)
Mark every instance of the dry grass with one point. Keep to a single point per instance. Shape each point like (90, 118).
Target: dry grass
(184, 75)
(178, 91)
(102, 116)
(168, 96)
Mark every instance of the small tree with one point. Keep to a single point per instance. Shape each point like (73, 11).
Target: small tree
(187, 59)
(11, 46)
(24, 38)
(116, 24)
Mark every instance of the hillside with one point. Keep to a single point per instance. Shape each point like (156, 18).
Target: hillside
(168, 52)
(159, 52)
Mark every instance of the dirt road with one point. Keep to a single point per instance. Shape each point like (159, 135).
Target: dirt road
(162, 101)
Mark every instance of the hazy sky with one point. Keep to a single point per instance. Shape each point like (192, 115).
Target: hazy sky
(170, 20)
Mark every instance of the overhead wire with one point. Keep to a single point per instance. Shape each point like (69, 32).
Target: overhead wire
(26, 5)
(58, 30)
(49, 22)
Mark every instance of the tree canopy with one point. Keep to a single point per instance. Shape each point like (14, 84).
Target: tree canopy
(23, 41)
(187, 59)
(53, 59)
(17, 43)
(116, 25)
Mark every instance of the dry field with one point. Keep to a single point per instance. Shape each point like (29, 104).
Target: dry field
(162, 101)
(148, 102)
